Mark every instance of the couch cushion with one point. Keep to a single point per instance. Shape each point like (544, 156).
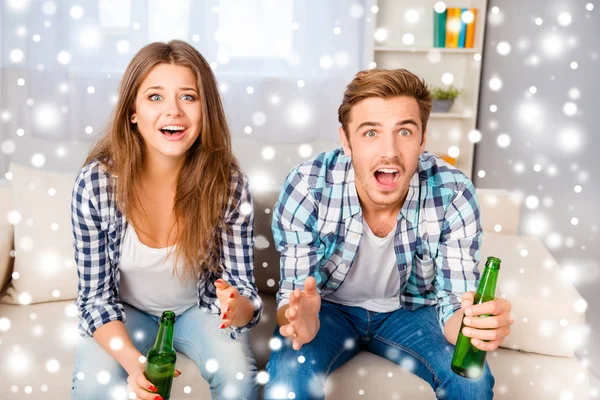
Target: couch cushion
(549, 312)
(43, 240)
(266, 257)
(6, 237)
(500, 210)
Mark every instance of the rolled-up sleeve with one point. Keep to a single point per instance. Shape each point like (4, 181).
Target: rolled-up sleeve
(459, 252)
(296, 237)
(237, 245)
(97, 291)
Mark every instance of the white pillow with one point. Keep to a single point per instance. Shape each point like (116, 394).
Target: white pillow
(44, 259)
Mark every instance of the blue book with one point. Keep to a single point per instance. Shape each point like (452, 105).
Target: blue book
(463, 30)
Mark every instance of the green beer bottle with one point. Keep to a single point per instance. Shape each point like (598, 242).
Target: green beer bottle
(160, 360)
(468, 360)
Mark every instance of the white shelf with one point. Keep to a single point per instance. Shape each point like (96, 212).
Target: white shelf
(438, 115)
(408, 49)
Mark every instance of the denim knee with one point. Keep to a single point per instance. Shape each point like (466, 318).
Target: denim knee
(295, 374)
(98, 382)
(454, 386)
(232, 383)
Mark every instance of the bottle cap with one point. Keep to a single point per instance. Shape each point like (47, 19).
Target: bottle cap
(168, 315)
(493, 262)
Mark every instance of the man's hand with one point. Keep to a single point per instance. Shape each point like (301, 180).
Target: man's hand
(303, 315)
(493, 328)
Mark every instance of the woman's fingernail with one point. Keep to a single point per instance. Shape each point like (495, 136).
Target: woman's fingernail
(222, 326)
(158, 398)
(225, 316)
(231, 296)
(228, 308)
(467, 321)
(152, 388)
(178, 372)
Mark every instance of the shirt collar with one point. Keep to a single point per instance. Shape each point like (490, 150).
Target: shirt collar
(351, 205)
(410, 207)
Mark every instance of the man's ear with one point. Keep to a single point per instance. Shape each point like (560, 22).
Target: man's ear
(424, 140)
(345, 142)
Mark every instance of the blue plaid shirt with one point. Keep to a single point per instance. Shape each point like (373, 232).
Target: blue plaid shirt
(99, 227)
(317, 227)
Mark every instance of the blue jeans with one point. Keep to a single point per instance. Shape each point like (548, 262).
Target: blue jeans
(197, 335)
(411, 339)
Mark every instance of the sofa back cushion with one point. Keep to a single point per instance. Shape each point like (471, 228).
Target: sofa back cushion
(6, 236)
(44, 266)
(266, 257)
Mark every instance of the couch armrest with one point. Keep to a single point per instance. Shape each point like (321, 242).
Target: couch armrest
(549, 312)
(499, 207)
(6, 237)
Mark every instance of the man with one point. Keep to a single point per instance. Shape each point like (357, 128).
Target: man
(373, 236)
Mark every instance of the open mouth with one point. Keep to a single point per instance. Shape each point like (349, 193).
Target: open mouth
(386, 176)
(173, 132)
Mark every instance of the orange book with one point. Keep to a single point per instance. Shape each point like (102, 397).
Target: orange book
(448, 159)
(470, 40)
(449, 16)
(452, 27)
(456, 24)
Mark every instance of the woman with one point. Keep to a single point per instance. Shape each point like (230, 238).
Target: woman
(162, 220)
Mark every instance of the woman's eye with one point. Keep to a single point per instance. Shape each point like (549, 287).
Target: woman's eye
(155, 97)
(404, 132)
(188, 97)
(370, 134)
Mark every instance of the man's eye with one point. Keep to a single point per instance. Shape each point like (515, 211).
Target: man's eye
(370, 133)
(155, 97)
(404, 132)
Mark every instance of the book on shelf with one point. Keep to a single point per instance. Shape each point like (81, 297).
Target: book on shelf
(448, 159)
(450, 29)
(439, 28)
(470, 38)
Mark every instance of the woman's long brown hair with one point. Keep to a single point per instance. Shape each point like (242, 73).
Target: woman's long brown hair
(203, 183)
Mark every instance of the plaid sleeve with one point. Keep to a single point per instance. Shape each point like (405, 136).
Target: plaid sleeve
(96, 298)
(296, 237)
(237, 245)
(458, 253)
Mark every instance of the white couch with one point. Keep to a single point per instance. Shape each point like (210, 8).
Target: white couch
(38, 340)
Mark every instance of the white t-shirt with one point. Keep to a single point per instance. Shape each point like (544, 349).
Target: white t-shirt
(373, 282)
(147, 280)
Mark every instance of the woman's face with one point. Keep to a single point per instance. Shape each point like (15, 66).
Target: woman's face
(168, 111)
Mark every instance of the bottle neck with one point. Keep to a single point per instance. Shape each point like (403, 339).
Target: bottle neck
(487, 284)
(164, 338)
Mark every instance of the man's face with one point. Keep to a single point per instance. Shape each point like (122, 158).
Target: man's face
(385, 139)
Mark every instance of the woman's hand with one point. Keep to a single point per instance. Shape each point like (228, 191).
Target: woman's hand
(236, 310)
(142, 387)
